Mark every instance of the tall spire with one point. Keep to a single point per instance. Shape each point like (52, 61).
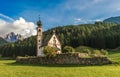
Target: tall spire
(39, 17)
(39, 22)
(39, 38)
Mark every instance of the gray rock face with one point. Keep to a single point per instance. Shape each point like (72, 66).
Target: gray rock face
(12, 37)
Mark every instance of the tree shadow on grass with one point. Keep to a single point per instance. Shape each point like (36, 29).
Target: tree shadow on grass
(52, 65)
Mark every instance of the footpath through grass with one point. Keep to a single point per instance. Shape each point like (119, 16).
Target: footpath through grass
(8, 68)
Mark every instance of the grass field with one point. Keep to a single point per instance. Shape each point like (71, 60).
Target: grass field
(8, 68)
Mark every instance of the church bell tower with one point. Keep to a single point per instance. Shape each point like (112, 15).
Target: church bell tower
(39, 38)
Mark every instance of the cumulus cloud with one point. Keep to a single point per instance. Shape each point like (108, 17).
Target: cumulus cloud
(20, 26)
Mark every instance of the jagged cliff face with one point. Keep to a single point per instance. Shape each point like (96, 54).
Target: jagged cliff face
(12, 37)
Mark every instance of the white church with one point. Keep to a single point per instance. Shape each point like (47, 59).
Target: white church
(52, 41)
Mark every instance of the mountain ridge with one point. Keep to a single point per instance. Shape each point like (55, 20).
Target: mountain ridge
(12, 37)
(115, 19)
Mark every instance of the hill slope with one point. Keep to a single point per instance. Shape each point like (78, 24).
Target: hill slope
(2, 41)
(113, 20)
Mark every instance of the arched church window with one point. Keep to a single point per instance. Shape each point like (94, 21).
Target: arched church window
(54, 40)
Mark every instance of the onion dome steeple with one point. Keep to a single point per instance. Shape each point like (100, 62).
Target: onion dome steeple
(39, 23)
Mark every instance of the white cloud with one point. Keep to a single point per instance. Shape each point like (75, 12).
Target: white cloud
(84, 21)
(19, 26)
(98, 20)
(79, 20)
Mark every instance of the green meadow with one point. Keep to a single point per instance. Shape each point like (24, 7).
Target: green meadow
(8, 68)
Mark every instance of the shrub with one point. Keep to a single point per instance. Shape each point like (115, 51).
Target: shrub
(87, 51)
(104, 52)
(68, 49)
(97, 52)
(83, 48)
(49, 51)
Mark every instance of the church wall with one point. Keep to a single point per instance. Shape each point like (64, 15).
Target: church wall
(39, 41)
(40, 52)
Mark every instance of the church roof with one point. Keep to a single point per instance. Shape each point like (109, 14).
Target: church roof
(46, 39)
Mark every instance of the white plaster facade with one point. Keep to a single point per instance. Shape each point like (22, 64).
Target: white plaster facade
(54, 42)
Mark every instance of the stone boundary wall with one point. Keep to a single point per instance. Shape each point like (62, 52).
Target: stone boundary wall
(64, 59)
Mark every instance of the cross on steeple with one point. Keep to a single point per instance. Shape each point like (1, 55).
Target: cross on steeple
(39, 17)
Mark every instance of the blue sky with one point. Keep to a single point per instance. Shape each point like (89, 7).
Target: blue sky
(58, 12)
